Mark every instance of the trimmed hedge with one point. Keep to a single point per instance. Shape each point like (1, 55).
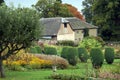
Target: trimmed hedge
(66, 43)
(96, 57)
(70, 54)
(82, 54)
(64, 52)
(38, 49)
(109, 55)
(50, 50)
(33, 50)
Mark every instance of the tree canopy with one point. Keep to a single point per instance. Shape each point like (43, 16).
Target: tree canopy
(18, 28)
(52, 8)
(1, 1)
(55, 8)
(106, 15)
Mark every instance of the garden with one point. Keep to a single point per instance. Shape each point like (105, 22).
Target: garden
(91, 59)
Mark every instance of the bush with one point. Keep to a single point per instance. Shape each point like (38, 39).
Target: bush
(38, 48)
(33, 50)
(117, 54)
(72, 55)
(50, 50)
(64, 52)
(109, 55)
(24, 61)
(56, 60)
(66, 43)
(83, 54)
(96, 57)
(90, 42)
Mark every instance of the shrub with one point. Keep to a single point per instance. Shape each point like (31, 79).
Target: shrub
(72, 55)
(117, 54)
(109, 55)
(38, 48)
(96, 57)
(21, 61)
(83, 54)
(90, 42)
(33, 50)
(56, 60)
(64, 52)
(66, 43)
(50, 50)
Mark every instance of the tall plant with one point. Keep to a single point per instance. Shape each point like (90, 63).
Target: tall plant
(109, 55)
(18, 28)
(96, 57)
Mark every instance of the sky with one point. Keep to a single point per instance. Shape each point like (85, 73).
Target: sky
(28, 3)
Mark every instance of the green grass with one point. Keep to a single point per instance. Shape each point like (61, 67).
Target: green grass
(79, 69)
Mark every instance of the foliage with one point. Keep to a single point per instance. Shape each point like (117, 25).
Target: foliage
(35, 49)
(109, 55)
(90, 42)
(56, 60)
(66, 43)
(117, 54)
(75, 12)
(1, 1)
(64, 52)
(52, 8)
(96, 57)
(106, 15)
(81, 71)
(72, 55)
(23, 61)
(83, 54)
(50, 50)
(18, 28)
(87, 11)
(65, 77)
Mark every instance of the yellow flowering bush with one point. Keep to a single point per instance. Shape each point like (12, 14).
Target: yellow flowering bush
(25, 59)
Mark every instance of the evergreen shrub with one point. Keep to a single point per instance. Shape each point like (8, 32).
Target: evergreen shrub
(96, 57)
(50, 50)
(82, 54)
(38, 48)
(109, 55)
(66, 43)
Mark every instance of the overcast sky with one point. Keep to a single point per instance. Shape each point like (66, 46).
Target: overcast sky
(28, 3)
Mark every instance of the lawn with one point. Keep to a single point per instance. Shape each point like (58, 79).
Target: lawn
(79, 69)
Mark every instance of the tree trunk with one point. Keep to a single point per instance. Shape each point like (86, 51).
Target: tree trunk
(2, 75)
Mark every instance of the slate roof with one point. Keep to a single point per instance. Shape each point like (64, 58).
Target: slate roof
(76, 23)
(52, 25)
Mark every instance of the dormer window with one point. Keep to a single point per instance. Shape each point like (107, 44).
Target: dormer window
(65, 28)
(65, 25)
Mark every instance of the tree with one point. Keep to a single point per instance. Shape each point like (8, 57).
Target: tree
(1, 1)
(87, 11)
(107, 16)
(73, 10)
(52, 8)
(18, 28)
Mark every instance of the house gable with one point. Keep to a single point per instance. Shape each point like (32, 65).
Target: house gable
(65, 32)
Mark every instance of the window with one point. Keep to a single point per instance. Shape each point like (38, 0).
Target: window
(65, 28)
(65, 25)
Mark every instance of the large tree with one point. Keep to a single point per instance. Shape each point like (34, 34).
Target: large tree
(18, 28)
(1, 1)
(52, 8)
(107, 17)
(74, 11)
(87, 10)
